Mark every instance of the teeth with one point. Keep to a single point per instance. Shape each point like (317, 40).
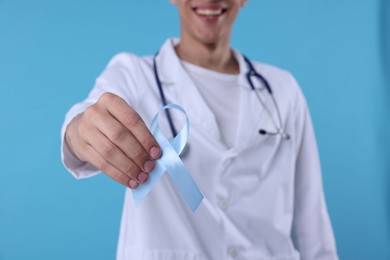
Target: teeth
(209, 12)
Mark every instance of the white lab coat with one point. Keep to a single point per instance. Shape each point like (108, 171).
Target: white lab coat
(263, 197)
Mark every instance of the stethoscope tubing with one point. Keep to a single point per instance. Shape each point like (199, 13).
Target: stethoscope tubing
(251, 73)
(163, 99)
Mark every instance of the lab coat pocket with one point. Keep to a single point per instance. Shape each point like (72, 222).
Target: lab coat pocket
(268, 140)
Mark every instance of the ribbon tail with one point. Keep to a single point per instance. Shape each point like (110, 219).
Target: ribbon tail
(181, 177)
(186, 185)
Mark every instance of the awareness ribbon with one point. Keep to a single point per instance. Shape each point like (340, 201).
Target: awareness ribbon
(171, 162)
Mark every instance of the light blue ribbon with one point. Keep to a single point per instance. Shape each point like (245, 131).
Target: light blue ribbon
(171, 162)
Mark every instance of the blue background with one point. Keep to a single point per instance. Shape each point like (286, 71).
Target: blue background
(52, 51)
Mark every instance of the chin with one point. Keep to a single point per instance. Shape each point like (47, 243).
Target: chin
(210, 41)
(210, 38)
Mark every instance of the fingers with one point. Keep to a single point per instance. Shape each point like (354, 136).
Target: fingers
(115, 156)
(99, 162)
(112, 136)
(129, 149)
(119, 109)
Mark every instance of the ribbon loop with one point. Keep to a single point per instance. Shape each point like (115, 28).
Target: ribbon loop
(171, 162)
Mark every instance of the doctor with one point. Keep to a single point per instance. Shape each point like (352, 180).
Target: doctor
(251, 152)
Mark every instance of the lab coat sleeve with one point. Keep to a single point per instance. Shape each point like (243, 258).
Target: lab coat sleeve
(311, 231)
(114, 79)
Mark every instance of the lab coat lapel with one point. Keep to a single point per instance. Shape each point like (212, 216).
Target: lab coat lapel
(180, 89)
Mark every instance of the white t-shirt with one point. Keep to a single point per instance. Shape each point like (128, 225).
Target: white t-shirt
(222, 94)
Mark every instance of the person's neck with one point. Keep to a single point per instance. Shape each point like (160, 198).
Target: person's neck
(217, 57)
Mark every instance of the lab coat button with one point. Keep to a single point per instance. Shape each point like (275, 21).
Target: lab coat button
(232, 251)
(223, 204)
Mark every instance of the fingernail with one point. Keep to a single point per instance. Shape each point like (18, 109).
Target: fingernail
(133, 184)
(155, 152)
(148, 166)
(142, 177)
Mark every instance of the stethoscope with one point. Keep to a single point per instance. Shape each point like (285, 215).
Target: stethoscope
(250, 74)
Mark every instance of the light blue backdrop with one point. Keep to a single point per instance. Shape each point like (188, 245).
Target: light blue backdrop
(51, 52)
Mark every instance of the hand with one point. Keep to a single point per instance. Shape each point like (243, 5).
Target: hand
(112, 136)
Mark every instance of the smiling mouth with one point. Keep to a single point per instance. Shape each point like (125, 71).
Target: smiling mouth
(209, 12)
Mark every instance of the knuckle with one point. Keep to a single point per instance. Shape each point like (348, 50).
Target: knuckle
(133, 119)
(138, 154)
(91, 112)
(106, 97)
(107, 150)
(132, 171)
(81, 151)
(82, 128)
(148, 141)
(103, 166)
(117, 133)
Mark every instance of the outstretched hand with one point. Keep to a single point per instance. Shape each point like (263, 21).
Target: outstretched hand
(112, 136)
